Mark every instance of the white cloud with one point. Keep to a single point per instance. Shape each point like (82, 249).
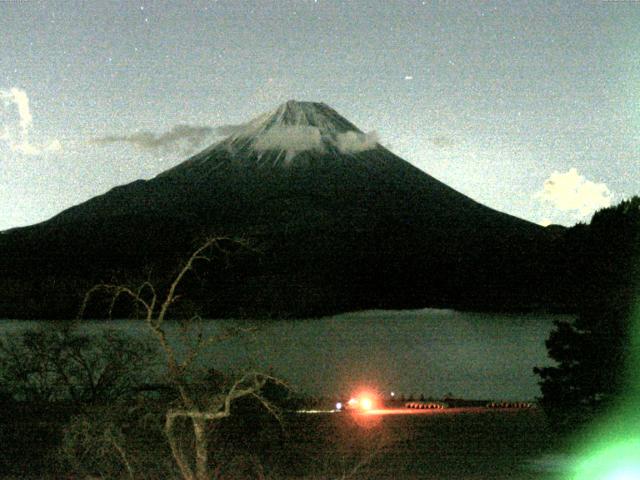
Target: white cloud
(20, 99)
(17, 137)
(54, 146)
(354, 142)
(290, 138)
(26, 148)
(571, 192)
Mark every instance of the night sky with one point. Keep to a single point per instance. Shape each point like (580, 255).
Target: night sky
(532, 108)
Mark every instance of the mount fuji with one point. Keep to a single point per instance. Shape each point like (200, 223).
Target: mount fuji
(341, 223)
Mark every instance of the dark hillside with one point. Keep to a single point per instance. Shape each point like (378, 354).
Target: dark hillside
(336, 230)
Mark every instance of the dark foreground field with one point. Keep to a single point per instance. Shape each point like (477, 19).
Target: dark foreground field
(456, 445)
(460, 445)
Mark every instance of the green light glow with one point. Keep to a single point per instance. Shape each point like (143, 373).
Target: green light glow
(618, 462)
(613, 453)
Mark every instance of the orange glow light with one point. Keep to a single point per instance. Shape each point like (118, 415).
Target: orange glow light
(366, 403)
(363, 401)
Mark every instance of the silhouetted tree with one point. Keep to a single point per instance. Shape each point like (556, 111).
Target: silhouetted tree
(590, 353)
(61, 364)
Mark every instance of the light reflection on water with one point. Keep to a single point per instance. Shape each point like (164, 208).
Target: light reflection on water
(430, 352)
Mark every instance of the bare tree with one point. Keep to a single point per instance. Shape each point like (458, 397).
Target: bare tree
(155, 307)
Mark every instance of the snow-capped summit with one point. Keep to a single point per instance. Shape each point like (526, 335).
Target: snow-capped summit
(302, 114)
(290, 129)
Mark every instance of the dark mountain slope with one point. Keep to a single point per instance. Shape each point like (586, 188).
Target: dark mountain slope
(342, 223)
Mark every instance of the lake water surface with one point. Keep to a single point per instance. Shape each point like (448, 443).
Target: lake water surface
(431, 352)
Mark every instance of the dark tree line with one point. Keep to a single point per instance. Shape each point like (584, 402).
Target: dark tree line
(592, 352)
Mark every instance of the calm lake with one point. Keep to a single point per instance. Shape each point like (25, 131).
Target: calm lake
(431, 352)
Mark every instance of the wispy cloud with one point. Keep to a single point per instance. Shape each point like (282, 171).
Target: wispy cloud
(294, 139)
(226, 130)
(571, 192)
(181, 138)
(290, 138)
(16, 134)
(442, 141)
(354, 142)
